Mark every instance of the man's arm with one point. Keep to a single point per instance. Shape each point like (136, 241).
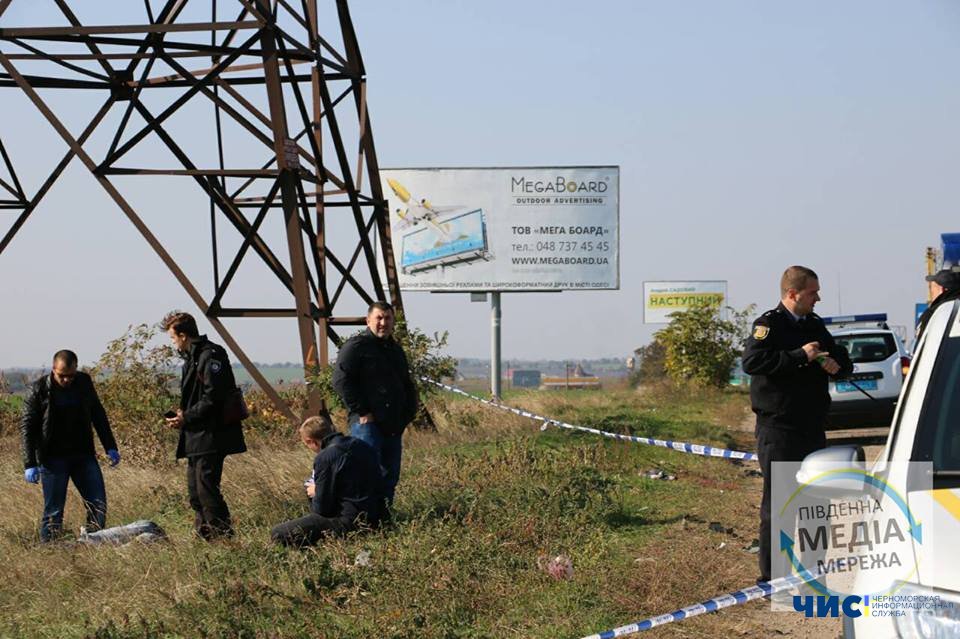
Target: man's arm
(761, 357)
(30, 426)
(346, 379)
(322, 503)
(838, 353)
(98, 415)
(409, 389)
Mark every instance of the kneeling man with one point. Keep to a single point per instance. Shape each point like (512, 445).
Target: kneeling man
(345, 489)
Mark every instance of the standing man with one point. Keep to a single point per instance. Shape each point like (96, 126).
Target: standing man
(209, 430)
(57, 443)
(944, 285)
(345, 487)
(372, 378)
(790, 355)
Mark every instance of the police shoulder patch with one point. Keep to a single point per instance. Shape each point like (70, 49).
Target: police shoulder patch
(760, 332)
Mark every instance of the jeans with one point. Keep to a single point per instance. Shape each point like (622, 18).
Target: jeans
(389, 449)
(307, 531)
(211, 517)
(85, 473)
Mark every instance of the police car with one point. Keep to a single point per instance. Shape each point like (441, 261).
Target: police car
(880, 362)
(925, 428)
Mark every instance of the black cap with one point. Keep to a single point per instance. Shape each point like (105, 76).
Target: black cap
(947, 278)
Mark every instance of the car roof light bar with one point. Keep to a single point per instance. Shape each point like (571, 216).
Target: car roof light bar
(865, 318)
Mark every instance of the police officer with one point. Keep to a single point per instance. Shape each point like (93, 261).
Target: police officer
(209, 429)
(944, 286)
(790, 356)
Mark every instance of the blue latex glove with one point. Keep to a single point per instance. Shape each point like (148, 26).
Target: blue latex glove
(114, 456)
(32, 475)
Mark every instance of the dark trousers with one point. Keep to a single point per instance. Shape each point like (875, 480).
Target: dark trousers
(779, 445)
(84, 472)
(307, 531)
(211, 515)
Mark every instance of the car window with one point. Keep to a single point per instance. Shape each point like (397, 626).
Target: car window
(868, 347)
(938, 433)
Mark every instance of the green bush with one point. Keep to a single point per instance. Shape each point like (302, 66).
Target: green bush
(700, 347)
(137, 383)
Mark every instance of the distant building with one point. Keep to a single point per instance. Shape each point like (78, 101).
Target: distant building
(525, 378)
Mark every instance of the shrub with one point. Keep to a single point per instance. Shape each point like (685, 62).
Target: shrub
(137, 383)
(700, 347)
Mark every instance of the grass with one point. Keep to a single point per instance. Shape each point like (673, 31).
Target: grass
(480, 502)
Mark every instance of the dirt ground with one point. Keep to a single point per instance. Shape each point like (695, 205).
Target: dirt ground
(787, 624)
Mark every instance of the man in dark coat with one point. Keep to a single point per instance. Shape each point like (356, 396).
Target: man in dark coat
(372, 377)
(790, 356)
(209, 430)
(345, 488)
(944, 286)
(57, 443)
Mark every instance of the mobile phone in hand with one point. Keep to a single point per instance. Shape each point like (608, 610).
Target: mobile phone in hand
(170, 414)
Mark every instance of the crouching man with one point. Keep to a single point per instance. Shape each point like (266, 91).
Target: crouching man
(345, 489)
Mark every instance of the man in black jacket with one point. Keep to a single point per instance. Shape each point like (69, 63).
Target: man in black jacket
(57, 443)
(944, 286)
(345, 488)
(208, 432)
(790, 356)
(372, 378)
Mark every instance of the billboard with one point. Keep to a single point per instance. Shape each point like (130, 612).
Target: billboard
(505, 229)
(662, 298)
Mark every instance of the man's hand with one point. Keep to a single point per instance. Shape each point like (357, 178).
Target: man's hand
(311, 490)
(114, 456)
(32, 475)
(812, 351)
(829, 364)
(366, 419)
(176, 422)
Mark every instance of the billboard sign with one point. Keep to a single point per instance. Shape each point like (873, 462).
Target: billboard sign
(505, 229)
(662, 298)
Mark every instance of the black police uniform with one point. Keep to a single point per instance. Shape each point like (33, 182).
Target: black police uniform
(789, 395)
(946, 296)
(205, 438)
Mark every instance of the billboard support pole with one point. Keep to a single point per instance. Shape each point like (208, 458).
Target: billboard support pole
(495, 344)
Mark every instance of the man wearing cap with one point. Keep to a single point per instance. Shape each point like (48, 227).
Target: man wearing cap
(944, 286)
(790, 356)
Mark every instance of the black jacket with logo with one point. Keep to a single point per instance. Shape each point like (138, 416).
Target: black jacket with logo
(348, 482)
(205, 383)
(372, 377)
(40, 418)
(786, 391)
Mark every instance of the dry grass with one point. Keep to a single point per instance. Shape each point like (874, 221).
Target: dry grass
(480, 501)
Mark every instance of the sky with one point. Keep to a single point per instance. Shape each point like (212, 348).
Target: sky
(749, 136)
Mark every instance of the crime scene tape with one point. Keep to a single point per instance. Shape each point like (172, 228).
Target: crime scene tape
(696, 449)
(761, 590)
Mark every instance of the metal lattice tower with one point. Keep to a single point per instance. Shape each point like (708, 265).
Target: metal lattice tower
(290, 99)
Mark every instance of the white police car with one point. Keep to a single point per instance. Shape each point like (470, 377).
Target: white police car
(880, 362)
(925, 428)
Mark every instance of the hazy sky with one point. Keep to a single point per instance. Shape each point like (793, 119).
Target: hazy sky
(750, 136)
